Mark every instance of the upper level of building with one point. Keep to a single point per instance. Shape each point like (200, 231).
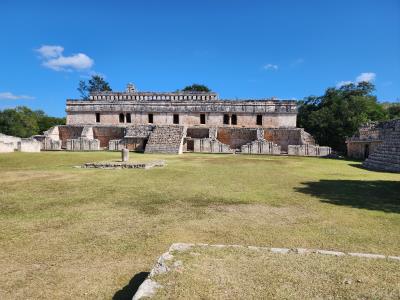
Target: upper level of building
(132, 94)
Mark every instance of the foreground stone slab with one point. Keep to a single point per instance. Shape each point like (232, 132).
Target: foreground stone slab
(124, 165)
(179, 272)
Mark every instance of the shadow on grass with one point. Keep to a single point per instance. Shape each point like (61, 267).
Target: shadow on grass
(373, 195)
(130, 289)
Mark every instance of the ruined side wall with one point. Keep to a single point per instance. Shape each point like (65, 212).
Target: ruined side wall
(105, 134)
(68, 133)
(6, 147)
(236, 137)
(357, 149)
(287, 136)
(29, 145)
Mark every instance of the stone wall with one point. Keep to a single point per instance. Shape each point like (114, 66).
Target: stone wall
(308, 150)
(106, 133)
(67, 132)
(166, 139)
(288, 136)
(6, 147)
(210, 146)
(132, 144)
(198, 132)
(236, 137)
(83, 144)
(368, 137)
(10, 139)
(29, 145)
(261, 147)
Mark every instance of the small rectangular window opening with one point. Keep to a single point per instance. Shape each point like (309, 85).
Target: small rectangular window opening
(151, 118)
(97, 117)
(176, 119)
(259, 120)
(226, 119)
(202, 119)
(234, 120)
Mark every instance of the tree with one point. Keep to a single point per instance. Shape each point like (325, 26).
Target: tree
(23, 122)
(196, 88)
(95, 84)
(339, 113)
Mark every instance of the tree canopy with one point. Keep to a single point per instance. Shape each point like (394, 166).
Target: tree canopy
(24, 122)
(196, 88)
(94, 84)
(339, 113)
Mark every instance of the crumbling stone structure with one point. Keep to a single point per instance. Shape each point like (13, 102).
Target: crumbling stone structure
(369, 137)
(29, 145)
(179, 121)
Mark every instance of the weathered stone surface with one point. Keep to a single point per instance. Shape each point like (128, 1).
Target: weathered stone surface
(29, 145)
(83, 144)
(8, 139)
(6, 147)
(147, 289)
(124, 165)
(124, 155)
(309, 150)
(166, 139)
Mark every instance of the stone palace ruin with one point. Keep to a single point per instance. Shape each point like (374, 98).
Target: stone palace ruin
(181, 121)
(176, 122)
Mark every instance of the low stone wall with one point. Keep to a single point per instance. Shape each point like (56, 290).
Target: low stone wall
(210, 146)
(10, 139)
(288, 136)
(83, 144)
(6, 147)
(308, 150)
(236, 137)
(29, 145)
(261, 147)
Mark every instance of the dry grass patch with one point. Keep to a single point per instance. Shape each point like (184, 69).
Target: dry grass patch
(240, 273)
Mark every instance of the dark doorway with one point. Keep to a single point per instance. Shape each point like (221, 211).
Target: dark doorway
(226, 119)
(97, 117)
(190, 145)
(234, 120)
(202, 119)
(121, 118)
(176, 119)
(366, 151)
(259, 120)
(151, 118)
(128, 118)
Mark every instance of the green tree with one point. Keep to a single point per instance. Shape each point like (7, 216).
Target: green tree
(339, 113)
(23, 122)
(95, 84)
(196, 88)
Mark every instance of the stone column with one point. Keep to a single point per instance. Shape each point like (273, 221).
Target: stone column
(125, 155)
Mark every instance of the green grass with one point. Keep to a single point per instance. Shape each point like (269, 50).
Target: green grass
(84, 233)
(240, 273)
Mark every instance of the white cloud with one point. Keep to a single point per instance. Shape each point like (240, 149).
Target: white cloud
(271, 67)
(47, 51)
(368, 77)
(53, 58)
(11, 96)
(342, 83)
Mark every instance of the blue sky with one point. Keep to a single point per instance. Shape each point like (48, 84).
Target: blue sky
(240, 49)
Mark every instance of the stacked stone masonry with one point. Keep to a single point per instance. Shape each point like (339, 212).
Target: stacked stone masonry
(166, 139)
(386, 156)
(83, 144)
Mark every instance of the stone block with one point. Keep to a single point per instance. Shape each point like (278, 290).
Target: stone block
(29, 145)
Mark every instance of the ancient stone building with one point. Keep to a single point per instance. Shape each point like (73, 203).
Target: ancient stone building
(180, 121)
(379, 144)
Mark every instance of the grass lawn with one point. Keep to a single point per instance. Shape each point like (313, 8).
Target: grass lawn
(85, 233)
(215, 273)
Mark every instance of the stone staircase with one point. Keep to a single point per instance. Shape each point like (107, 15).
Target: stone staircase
(166, 139)
(387, 156)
